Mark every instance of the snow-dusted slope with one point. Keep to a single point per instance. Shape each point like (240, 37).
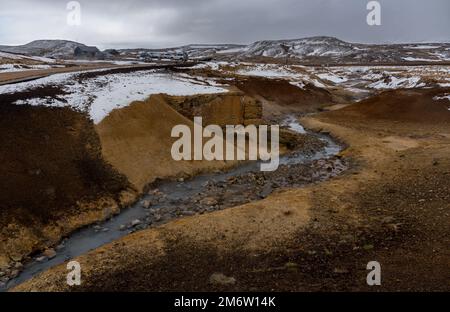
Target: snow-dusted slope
(45, 48)
(315, 46)
(332, 50)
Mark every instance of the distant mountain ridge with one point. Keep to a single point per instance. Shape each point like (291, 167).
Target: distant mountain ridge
(331, 49)
(321, 49)
(45, 48)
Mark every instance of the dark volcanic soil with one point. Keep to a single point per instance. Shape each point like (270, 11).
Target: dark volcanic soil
(391, 207)
(283, 93)
(50, 159)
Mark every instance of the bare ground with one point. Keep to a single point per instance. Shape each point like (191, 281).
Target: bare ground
(393, 206)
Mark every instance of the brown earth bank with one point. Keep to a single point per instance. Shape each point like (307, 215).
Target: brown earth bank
(54, 178)
(279, 97)
(393, 207)
(61, 172)
(233, 108)
(137, 141)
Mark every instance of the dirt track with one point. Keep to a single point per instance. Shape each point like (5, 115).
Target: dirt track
(19, 76)
(39, 73)
(393, 207)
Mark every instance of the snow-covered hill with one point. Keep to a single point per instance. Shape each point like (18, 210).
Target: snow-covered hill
(315, 46)
(45, 48)
(333, 50)
(317, 50)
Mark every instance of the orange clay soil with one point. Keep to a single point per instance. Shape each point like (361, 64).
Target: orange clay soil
(60, 172)
(393, 206)
(137, 141)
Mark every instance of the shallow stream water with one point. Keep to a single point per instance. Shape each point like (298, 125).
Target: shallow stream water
(166, 201)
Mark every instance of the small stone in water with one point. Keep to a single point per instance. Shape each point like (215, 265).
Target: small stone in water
(135, 222)
(49, 253)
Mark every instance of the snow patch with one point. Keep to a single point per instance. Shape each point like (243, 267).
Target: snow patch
(332, 78)
(100, 95)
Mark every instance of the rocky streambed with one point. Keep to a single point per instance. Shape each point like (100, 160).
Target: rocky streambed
(170, 199)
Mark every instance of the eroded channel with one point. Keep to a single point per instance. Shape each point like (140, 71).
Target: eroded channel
(168, 200)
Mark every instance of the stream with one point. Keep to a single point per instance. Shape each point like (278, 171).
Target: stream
(205, 193)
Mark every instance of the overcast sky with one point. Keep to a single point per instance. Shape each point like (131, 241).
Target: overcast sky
(162, 23)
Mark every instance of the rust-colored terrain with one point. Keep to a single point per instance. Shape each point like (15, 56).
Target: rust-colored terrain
(391, 206)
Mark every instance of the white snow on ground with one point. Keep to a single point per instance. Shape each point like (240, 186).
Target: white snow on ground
(102, 94)
(298, 84)
(9, 56)
(235, 50)
(289, 73)
(442, 56)
(8, 68)
(121, 62)
(332, 78)
(443, 97)
(424, 47)
(122, 89)
(413, 59)
(22, 57)
(211, 65)
(357, 79)
(268, 73)
(394, 83)
(56, 79)
(384, 77)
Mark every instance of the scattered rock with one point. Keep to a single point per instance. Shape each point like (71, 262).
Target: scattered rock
(49, 253)
(266, 191)
(208, 201)
(157, 217)
(135, 222)
(41, 259)
(97, 228)
(146, 204)
(14, 274)
(221, 279)
(18, 265)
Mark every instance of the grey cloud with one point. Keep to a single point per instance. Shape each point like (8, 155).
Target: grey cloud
(156, 23)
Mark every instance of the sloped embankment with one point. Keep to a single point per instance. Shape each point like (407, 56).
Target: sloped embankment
(54, 179)
(223, 109)
(280, 95)
(61, 172)
(137, 141)
(392, 207)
